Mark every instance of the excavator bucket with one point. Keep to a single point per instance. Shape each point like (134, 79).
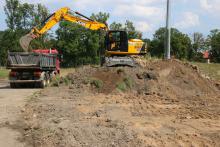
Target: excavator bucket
(26, 40)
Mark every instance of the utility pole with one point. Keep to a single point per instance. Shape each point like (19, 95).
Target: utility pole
(167, 48)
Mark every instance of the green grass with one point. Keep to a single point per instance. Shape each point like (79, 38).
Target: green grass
(126, 84)
(3, 73)
(96, 82)
(212, 70)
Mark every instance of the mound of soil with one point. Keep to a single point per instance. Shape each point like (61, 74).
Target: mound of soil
(168, 78)
(167, 103)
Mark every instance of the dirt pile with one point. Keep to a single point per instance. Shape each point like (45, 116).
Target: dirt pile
(167, 103)
(168, 78)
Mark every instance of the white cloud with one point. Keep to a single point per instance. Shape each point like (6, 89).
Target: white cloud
(205, 5)
(189, 19)
(143, 26)
(136, 10)
(211, 6)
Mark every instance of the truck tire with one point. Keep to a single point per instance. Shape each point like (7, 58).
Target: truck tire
(48, 79)
(43, 82)
(12, 85)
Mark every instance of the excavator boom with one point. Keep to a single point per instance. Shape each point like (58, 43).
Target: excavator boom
(61, 14)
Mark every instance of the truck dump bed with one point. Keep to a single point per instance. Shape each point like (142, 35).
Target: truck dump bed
(19, 60)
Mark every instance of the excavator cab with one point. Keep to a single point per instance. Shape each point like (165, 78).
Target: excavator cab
(119, 49)
(116, 41)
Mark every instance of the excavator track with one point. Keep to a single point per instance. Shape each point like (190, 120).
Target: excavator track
(119, 61)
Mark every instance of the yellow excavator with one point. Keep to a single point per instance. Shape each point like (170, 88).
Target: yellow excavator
(118, 48)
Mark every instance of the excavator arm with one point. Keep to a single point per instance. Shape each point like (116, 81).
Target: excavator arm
(61, 14)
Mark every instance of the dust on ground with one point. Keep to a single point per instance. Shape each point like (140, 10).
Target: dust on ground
(166, 103)
(12, 102)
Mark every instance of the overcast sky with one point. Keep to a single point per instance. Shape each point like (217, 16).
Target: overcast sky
(148, 15)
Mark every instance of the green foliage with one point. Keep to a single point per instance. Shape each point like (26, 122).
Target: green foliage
(132, 32)
(24, 16)
(3, 73)
(180, 44)
(100, 17)
(97, 83)
(9, 42)
(55, 81)
(126, 84)
(128, 27)
(20, 18)
(116, 26)
(214, 43)
(198, 42)
(79, 45)
(212, 70)
(121, 86)
(12, 11)
(66, 81)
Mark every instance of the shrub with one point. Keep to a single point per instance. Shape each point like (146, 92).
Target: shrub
(96, 82)
(126, 84)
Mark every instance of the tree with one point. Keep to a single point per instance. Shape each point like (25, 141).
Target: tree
(129, 28)
(180, 44)
(214, 42)
(79, 45)
(132, 32)
(198, 46)
(40, 14)
(116, 26)
(26, 11)
(12, 11)
(20, 18)
(103, 18)
(100, 17)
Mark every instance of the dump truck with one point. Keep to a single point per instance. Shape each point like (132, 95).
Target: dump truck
(35, 68)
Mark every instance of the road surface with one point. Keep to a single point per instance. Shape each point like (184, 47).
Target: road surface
(11, 103)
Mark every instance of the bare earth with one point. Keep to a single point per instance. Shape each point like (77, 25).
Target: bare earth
(164, 103)
(12, 102)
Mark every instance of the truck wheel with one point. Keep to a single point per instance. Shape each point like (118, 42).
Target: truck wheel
(12, 85)
(48, 79)
(43, 82)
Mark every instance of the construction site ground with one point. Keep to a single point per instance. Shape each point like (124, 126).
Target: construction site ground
(161, 103)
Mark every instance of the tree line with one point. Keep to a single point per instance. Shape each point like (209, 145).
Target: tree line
(81, 46)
